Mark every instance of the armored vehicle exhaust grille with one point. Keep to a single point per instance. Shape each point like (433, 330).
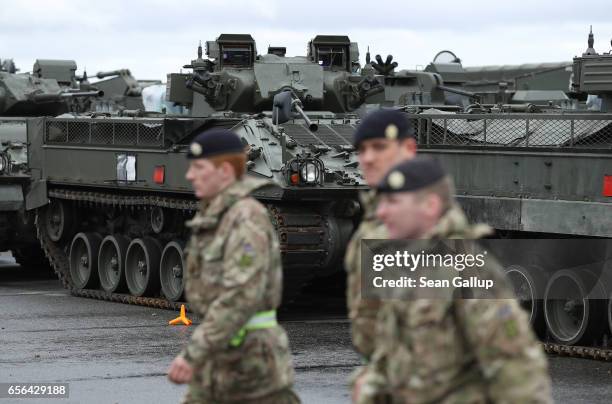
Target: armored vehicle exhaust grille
(327, 134)
(99, 132)
(515, 130)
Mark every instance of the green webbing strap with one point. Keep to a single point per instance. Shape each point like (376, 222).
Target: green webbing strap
(260, 321)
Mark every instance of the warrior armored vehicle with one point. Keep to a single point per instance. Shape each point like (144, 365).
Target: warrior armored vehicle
(110, 193)
(48, 91)
(543, 179)
(414, 87)
(535, 83)
(234, 78)
(121, 91)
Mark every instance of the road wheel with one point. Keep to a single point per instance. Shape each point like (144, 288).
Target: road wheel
(111, 263)
(572, 316)
(84, 260)
(59, 220)
(171, 269)
(529, 284)
(142, 266)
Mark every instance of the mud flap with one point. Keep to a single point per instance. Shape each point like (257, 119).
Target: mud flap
(37, 196)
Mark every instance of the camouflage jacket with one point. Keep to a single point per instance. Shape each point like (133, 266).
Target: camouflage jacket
(362, 312)
(457, 351)
(233, 272)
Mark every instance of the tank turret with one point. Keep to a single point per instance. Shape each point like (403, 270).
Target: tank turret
(537, 83)
(32, 95)
(122, 82)
(50, 90)
(235, 78)
(62, 71)
(592, 75)
(122, 91)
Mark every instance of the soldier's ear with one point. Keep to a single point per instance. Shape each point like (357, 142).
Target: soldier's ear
(228, 170)
(409, 147)
(433, 205)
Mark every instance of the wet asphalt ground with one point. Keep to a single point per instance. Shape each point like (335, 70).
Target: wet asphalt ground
(116, 353)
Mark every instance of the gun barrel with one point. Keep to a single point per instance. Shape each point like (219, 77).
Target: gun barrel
(70, 94)
(109, 73)
(59, 96)
(313, 127)
(46, 97)
(457, 91)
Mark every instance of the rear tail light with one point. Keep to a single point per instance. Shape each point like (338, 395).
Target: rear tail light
(607, 185)
(159, 174)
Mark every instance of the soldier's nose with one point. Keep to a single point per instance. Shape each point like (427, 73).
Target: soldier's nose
(381, 212)
(366, 156)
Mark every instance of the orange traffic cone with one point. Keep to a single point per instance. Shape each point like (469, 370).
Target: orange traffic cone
(182, 318)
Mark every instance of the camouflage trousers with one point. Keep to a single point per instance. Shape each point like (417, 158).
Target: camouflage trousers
(259, 370)
(286, 396)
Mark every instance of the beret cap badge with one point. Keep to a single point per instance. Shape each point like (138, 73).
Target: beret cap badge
(215, 142)
(391, 132)
(396, 180)
(412, 175)
(196, 149)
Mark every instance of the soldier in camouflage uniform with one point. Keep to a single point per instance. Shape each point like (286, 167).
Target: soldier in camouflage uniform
(384, 138)
(445, 350)
(238, 353)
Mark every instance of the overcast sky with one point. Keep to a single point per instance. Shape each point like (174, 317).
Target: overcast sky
(154, 37)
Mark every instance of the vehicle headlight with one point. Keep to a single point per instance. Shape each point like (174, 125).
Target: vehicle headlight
(305, 171)
(309, 173)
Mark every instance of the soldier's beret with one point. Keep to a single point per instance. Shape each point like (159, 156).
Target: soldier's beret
(412, 175)
(214, 142)
(383, 123)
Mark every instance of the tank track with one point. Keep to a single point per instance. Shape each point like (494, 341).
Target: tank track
(602, 354)
(57, 255)
(59, 262)
(58, 259)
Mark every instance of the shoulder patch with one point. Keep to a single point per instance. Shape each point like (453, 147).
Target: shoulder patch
(504, 312)
(246, 258)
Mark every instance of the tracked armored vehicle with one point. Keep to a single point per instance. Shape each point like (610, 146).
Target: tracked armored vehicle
(110, 193)
(234, 78)
(121, 91)
(535, 83)
(543, 180)
(48, 91)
